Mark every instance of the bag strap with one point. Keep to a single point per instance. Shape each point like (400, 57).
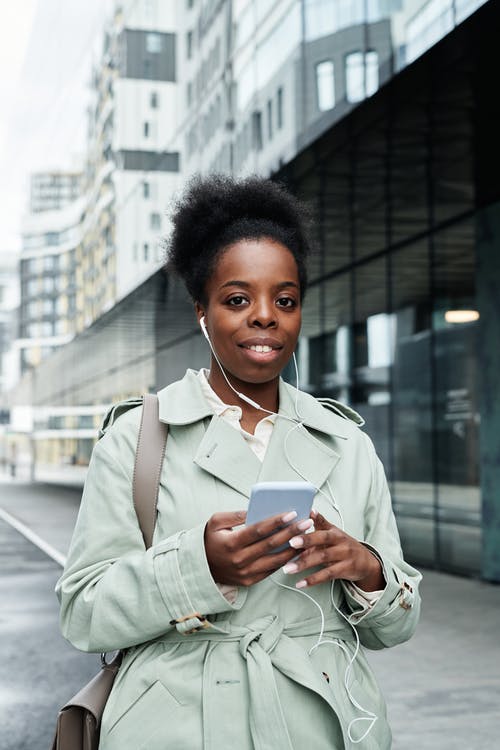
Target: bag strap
(149, 456)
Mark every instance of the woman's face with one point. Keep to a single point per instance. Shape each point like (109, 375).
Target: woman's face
(253, 311)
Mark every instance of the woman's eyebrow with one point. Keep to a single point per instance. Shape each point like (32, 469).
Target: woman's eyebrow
(236, 282)
(247, 285)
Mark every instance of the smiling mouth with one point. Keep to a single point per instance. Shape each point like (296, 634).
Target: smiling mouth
(262, 348)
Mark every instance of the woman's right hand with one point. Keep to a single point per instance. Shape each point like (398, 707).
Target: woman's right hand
(242, 557)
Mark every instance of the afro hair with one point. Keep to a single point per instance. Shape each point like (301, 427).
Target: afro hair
(217, 211)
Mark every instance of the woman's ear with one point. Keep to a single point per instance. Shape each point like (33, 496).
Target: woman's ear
(200, 312)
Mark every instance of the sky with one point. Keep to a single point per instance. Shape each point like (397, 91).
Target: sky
(46, 52)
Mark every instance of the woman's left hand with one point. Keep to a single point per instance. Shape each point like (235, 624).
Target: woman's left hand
(339, 555)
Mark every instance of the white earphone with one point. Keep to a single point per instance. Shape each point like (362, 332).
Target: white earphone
(247, 399)
(204, 328)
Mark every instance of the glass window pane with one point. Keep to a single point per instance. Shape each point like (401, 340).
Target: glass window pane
(354, 77)
(153, 43)
(372, 353)
(371, 72)
(325, 85)
(456, 399)
(412, 419)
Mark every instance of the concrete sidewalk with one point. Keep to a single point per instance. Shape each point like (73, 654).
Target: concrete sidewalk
(442, 687)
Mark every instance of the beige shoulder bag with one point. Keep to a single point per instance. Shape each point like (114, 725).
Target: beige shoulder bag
(79, 721)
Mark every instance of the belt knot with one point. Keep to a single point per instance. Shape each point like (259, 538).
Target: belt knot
(265, 632)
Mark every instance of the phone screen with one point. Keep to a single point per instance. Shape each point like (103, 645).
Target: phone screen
(272, 498)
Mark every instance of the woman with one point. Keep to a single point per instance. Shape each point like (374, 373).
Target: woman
(229, 644)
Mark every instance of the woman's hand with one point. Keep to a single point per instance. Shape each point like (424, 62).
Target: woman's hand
(339, 555)
(242, 557)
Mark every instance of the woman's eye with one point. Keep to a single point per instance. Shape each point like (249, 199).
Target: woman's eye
(287, 302)
(237, 301)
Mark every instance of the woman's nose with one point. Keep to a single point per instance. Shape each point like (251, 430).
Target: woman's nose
(263, 316)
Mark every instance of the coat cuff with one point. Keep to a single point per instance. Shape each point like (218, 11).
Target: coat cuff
(398, 592)
(185, 582)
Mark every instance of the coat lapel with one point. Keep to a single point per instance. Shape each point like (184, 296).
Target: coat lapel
(296, 455)
(302, 451)
(224, 453)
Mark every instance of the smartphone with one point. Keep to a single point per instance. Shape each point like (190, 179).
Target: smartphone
(273, 498)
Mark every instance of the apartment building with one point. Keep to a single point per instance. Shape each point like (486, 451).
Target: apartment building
(51, 238)
(133, 157)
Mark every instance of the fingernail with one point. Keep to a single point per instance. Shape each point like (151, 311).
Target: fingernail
(314, 513)
(301, 585)
(304, 525)
(290, 567)
(289, 516)
(296, 541)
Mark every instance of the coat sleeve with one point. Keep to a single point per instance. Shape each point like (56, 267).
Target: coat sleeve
(114, 593)
(394, 617)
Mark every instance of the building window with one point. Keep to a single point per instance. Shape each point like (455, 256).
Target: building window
(325, 85)
(189, 93)
(361, 75)
(145, 249)
(48, 307)
(153, 100)
(146, 130)
(49, 262)
(146, 191)
(270, 118)
(279, 108)
(59, 327)
(155, 221)
(46, 329)
(257, 130)
(52, 238)
(153, 43)
(189, 45)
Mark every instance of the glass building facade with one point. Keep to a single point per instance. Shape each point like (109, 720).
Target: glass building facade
(393, 321)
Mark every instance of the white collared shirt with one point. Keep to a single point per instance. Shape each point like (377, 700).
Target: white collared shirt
(232, 414)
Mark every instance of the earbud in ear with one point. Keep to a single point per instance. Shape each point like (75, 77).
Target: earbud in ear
(204, 328)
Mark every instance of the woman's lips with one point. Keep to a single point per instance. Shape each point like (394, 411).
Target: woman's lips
(261, 348)
(261, 352)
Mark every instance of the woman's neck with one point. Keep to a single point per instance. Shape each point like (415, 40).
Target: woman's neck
(264, 394)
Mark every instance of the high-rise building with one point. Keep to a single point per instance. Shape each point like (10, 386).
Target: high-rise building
(260, 79)
(133, 155)
(50, 244)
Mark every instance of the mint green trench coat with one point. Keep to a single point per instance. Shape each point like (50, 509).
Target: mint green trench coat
(247, 681)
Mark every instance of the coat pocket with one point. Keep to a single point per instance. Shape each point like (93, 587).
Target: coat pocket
(132, 726)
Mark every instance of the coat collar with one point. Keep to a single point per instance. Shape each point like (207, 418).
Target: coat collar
(183, 402)
(294, 452)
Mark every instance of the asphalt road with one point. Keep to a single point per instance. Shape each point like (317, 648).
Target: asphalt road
(39, 670)
(442, 687)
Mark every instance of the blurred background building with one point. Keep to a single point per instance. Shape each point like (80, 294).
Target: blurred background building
(381, 114)
(133, 154)
(52, 234)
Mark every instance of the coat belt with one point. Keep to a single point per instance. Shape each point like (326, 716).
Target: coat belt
(267, 644)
